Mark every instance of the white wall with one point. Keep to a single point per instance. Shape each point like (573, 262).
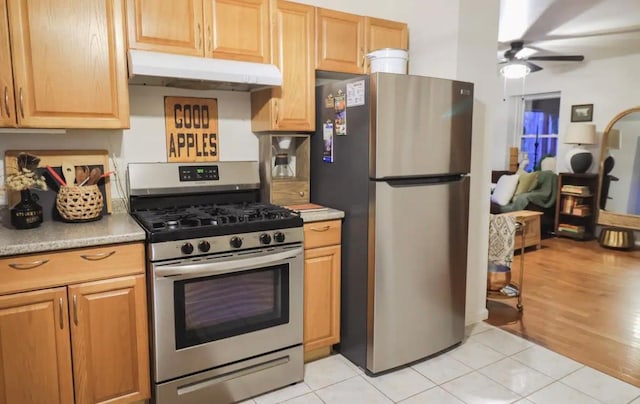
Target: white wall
(609, 84)
(477, 48)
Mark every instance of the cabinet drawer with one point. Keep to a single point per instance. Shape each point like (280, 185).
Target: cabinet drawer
(43, 270)
(320, 234)
(289, 192)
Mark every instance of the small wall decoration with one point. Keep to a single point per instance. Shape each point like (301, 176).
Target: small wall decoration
(192, 129)
(582, 113)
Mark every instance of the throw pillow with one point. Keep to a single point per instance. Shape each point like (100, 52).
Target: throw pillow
(526, 183)
(505, 188)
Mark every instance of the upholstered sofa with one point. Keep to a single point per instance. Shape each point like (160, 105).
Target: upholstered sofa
(541, 198)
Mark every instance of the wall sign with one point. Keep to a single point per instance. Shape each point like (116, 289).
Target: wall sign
(191, 128)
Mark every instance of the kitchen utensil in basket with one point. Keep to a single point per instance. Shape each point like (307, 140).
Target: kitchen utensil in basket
(80, 204)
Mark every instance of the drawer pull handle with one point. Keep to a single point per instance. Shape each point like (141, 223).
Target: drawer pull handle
(21, 103)
(319, 229)
(301, 193)
(60, 312)
(30, 265)
(199, 37)
(75, 309)
(98, 257)
(6, 101)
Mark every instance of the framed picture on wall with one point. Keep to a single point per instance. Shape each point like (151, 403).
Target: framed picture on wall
(582, 113)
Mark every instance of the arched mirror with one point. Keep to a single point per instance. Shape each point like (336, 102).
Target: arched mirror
(619, 191)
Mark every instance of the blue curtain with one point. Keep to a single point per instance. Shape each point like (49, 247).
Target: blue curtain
(538, 123)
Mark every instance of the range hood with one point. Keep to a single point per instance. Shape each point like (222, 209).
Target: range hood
(169, 70)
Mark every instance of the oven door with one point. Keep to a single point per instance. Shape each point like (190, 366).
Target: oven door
(211, 311)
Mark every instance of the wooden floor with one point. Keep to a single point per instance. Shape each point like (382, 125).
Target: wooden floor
(582, 301)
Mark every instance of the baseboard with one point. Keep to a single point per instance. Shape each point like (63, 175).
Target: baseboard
(480, 315)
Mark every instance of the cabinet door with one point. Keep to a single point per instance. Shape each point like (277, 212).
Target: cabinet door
(238, 30)
(385, 34)
(71, 73)
(109, 338)
(292, 106)
(339, 41)
(173, 26)
(35, 356)
(7, 105)
(321, 297)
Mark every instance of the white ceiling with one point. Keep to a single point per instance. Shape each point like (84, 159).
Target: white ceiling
(597, 29)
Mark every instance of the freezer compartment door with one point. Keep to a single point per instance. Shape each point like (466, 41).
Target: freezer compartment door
(420, 126)
(417, 271)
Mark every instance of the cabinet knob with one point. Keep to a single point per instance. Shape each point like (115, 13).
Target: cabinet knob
(301, 193)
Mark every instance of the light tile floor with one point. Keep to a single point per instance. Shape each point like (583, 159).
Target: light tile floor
(491, 366)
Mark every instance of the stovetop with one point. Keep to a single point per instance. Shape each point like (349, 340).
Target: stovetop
(205, 220)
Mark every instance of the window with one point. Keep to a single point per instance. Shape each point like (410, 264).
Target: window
(539, 136)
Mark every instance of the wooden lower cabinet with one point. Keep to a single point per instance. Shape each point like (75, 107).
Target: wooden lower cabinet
(321, 288)
(109, 338)
(82, 342)
(35, 351)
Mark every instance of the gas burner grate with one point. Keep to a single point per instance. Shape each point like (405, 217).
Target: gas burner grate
(176, 218)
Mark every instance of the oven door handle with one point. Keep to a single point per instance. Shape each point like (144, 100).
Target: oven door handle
(215, 268)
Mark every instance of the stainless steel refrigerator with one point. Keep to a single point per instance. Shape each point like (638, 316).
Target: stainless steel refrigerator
(393, 151)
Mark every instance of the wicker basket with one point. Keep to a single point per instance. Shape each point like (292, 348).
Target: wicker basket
(79, 204)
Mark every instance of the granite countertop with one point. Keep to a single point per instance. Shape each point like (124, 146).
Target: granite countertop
(54, 235)
(321, 215)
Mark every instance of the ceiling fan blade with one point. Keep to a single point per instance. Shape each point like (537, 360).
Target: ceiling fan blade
(559, 58)
(525, 53)
(534, 67)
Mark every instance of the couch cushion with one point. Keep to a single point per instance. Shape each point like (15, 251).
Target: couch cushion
(526, 183)
(505, 189)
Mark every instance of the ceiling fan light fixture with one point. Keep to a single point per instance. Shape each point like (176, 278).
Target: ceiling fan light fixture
(515, 70)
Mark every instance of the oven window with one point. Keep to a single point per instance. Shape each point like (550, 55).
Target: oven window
(221, 306)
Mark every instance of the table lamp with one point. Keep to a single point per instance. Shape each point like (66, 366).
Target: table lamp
(578, 158)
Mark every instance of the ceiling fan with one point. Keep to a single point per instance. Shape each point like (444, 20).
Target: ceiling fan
(518, 58)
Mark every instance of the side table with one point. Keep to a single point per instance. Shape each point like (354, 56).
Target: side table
(532, 229)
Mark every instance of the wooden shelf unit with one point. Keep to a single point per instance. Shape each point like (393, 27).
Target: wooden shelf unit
(566, 203)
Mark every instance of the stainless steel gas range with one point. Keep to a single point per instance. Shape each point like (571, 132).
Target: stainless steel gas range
(225, 282)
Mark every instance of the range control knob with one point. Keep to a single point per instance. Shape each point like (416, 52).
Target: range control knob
(278, 236)
(235, 242)
(187, 248)
(265, 238)
(204, 246)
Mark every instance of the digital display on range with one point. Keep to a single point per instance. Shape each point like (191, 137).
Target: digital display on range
(199, 173)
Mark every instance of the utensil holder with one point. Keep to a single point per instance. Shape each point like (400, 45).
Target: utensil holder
(80, 204)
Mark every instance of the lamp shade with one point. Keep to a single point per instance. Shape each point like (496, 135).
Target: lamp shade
(613, 141)
(515, 70)
(581, 133)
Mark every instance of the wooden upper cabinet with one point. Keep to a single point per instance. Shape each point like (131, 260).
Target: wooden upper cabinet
(385, 34)
(340, 41)
(292, 106)
(34, 348)
(109, 338)
(172, 26)
(237, 30)
(7, 105)
(69, 65)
